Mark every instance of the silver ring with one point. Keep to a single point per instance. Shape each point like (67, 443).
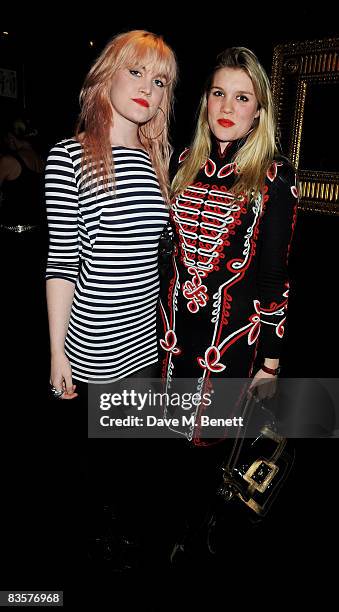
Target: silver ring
(56, 393)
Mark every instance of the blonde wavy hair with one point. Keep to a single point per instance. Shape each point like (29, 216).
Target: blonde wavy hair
(259, 149)
(125, 50)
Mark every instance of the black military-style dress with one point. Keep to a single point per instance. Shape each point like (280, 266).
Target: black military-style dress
(227, 294)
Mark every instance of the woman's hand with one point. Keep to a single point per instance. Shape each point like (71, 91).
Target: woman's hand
(263, 385)
(61, 376)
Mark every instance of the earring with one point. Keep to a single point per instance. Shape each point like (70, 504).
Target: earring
(157, 136)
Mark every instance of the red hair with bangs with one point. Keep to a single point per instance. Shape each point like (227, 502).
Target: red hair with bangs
(96, 116)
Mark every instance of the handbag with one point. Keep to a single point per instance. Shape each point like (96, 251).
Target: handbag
(257, 466)
(250, 478)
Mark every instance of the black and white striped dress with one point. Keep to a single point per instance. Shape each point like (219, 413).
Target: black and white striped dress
(108, 246)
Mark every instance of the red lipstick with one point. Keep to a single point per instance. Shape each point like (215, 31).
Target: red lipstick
(141, 101)
(225, 123)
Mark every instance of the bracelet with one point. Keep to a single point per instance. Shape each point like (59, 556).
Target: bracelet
(272, 371)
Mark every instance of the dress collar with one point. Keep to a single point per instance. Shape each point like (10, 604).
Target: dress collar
(230, 150)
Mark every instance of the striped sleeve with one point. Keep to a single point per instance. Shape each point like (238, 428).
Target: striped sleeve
(62, 213)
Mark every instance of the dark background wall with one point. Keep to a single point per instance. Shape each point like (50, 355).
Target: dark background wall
(55, 54)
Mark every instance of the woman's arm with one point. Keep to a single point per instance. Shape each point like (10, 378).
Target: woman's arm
(9, 168)
(59, 301)
(63, 260)
(276, 231)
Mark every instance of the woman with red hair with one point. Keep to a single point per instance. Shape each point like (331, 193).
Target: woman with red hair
(106, 193)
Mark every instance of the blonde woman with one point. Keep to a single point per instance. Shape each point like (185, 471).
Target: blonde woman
(106, 192)
(233, 212)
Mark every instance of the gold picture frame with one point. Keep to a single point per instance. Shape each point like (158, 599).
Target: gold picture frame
(305, 83)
